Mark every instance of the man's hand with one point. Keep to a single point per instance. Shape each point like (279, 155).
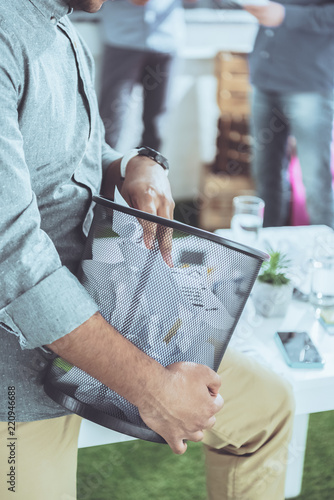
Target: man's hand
(145, 187)
(270, 15)
(185, 405)
(177, 402)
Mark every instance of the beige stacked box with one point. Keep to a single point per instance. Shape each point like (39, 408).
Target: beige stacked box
(229, 175)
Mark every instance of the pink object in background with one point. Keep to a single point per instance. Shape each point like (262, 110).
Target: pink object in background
(299, 215)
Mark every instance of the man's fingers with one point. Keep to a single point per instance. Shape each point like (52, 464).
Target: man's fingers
(211, 422)
(166, 208)
(214, 383)
(149, 232)
(219, 402)
(165, 239)
(165, 234)
(179, 447)
(146, 204)
(197, 436)
(149, 228)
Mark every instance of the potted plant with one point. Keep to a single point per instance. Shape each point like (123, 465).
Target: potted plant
(273, 288)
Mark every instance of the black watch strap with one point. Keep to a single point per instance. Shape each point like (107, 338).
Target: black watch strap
(154, 155)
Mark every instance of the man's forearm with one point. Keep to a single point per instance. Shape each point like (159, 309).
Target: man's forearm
(177, 402)
(98, 349)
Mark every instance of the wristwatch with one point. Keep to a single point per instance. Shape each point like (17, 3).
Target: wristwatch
(144, 151)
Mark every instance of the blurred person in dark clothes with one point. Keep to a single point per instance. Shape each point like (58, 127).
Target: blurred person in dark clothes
(292, 73)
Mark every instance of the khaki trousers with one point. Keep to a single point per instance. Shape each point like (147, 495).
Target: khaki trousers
(45, 454)
(246, 451)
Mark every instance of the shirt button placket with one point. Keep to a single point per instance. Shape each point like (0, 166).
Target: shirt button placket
(264, 54)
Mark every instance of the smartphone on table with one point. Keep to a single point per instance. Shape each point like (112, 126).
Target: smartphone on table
(298, 350)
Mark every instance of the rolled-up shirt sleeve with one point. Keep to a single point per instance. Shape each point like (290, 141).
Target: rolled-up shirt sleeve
(49, 310)
(40, 300)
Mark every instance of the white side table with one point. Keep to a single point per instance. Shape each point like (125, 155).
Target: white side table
(313, 389)
(254, 335)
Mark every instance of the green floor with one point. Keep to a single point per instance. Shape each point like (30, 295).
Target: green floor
(138, 470)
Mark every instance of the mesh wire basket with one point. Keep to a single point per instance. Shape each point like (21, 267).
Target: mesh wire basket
(179, 300)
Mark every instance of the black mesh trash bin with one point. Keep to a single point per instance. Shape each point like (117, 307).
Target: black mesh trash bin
(179, 300)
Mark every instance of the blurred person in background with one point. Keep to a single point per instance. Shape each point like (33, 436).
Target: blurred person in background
(141, 41)
(292, 73)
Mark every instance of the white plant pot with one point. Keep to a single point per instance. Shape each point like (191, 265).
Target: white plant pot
(272, 300)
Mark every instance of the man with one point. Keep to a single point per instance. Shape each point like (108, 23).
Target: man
(292, 75)
(53, 157)
(141, 40)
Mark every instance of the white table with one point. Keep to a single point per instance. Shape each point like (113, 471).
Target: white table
(313, 389)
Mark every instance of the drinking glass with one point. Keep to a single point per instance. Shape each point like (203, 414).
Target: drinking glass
(247, 218)
(322, 279)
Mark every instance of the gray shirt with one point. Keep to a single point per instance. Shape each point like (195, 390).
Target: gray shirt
(52, 156)
(298, 55)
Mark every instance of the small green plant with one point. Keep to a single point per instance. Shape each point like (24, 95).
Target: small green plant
(274, 270)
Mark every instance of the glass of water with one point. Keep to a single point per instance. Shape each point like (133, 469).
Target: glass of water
(247, 218)
(322, 279)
